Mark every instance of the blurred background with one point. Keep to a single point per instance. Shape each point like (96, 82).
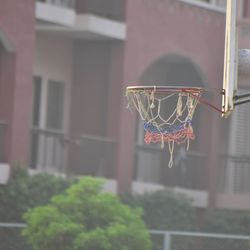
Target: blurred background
(64, 69)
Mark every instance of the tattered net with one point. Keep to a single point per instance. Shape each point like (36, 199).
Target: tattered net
(167, 113)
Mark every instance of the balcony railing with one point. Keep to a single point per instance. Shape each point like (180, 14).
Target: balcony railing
(54, 152)
(60, 3)
(189, 169)
(234, 174)
(94, 155)
(48, 151)
(111, 9)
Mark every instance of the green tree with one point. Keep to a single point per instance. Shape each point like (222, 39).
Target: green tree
(85, 218)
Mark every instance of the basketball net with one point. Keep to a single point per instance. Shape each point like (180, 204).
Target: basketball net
(167, 115)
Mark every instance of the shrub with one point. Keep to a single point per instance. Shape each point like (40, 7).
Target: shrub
(228, 222)
(84, 218)
(21, 193)
(164, 210)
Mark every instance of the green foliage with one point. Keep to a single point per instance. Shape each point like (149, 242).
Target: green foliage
(85, 218)
(21, 193)
(228, 222)
(164, 210)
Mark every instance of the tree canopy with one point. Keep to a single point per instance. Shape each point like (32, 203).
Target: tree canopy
(85, 218)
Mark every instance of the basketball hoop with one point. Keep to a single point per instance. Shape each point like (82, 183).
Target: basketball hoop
(167, 113)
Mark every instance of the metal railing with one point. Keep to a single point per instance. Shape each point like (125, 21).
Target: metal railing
(111, 9)
(162, 240)
(11, 237)
(234, 174)
(48, 150)
(189, 169)
(95, 155)
(183, 240)
(54, 152)
(61, 3)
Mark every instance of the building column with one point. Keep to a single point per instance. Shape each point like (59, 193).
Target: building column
(16, 76)
(7, 78)
(16, 109)
(126, 148)
(213, 159)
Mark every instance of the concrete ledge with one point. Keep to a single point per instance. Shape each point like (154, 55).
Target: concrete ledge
(110, 186)
(88, 26)
(102, 26)
(199, 197)
(4, 173)
(233, 201)
(55, 14)
(143, 187)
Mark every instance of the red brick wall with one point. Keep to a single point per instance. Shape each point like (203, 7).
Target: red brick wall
(17, 22)
(158, 28)
(90, 88)
(89, 101)
(246, 9)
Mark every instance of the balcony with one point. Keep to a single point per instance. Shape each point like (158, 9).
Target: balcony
(48, 151)
(59, 12)
(70, 4)
(94, 155)
(54, 152)
(189, 170)
(110, 9)
(188, 175)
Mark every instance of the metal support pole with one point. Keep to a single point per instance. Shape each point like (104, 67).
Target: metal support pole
(167, 241)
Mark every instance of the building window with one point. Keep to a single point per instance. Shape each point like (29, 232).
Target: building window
(47, 151)
(55, 104)
(238, 165)
(48, 103)
(37, 100)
